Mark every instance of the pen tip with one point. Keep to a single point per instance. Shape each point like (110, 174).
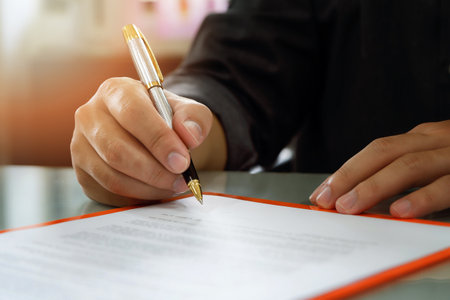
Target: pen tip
(196, 189)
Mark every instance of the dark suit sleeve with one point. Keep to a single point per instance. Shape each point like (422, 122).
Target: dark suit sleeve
(256, 67)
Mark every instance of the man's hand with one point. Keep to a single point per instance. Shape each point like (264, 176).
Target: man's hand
(122, 150)
(389, 166)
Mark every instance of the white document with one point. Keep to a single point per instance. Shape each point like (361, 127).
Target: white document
(225, 249)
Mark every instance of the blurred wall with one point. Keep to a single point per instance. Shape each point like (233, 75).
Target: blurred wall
(55, 53)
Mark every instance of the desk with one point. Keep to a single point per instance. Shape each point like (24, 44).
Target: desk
(30, 195)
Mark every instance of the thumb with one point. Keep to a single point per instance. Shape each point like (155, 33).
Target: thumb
(192, 120)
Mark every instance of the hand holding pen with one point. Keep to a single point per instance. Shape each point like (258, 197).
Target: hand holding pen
(124, 153)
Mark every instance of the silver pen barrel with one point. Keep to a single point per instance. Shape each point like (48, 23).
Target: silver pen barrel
(148, 74)
(162, 105)
(143, 63)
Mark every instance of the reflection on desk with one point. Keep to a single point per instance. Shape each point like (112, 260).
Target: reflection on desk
(30, 195)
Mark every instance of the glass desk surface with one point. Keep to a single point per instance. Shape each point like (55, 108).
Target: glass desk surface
(31, 195)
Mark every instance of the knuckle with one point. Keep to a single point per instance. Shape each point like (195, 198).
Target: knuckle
(83, 178)
(205, 111)
(74, 144)
(432, 197)
(113, 184)
(96, 175)
(382, 145)
(114, 153)
(157, 140)
(156, 178)
(95, 171)
(116, 89)
(80, 113)
(200, 107)
(195, 111)
(343, 173)
(108, 180)
(77, 150)
(413, 161)
(425, 200)
(433, 128)
(369, 188)
(125, 109)
(112, 84)
(121, 102)
(425, 127)
(99, 136)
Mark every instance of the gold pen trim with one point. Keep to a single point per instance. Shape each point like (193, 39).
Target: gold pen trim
(152, 84)
(196, 189)
(131, 32)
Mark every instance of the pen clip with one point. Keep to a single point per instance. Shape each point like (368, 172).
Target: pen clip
(132, 31)
(152, 56)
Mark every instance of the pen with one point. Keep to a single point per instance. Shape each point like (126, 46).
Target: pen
(151, 76)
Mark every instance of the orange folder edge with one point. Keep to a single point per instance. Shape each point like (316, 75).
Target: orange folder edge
(342, 292)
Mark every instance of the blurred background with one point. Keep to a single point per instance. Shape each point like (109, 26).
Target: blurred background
(55, 53)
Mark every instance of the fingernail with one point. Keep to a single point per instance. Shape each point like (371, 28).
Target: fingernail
(345, 203)
(324, 198)
(401, 207)
(317, 191)
(194, 129)
(311, 199)
(177, 162)
(179, 186)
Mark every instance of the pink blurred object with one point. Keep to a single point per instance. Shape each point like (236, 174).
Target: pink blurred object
(181, 18)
